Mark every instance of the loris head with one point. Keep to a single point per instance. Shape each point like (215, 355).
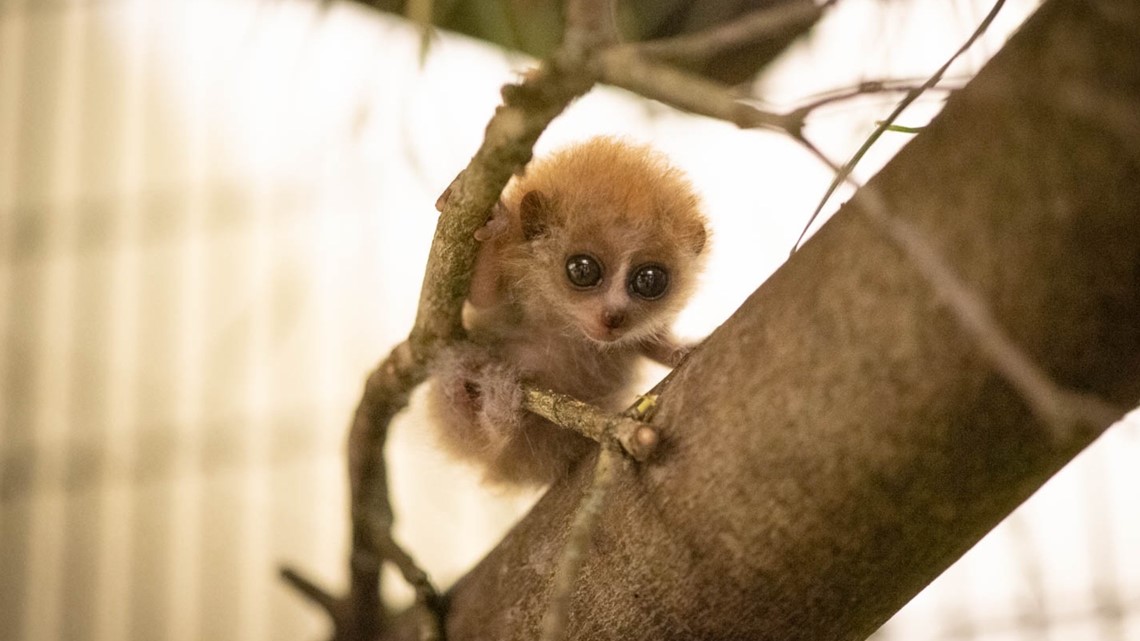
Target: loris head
(608, 241)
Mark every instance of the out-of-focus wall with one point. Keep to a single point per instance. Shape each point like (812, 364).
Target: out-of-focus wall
(213, 220)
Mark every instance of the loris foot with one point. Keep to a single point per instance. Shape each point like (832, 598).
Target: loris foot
(477, 406)
(479, 399)
(666, 350)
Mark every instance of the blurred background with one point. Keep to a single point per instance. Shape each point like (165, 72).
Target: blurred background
(214, 216)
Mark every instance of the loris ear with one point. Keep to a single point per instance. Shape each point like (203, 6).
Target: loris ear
(696, 236)
(534, 214)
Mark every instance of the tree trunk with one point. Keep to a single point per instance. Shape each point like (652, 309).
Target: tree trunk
(840, 440)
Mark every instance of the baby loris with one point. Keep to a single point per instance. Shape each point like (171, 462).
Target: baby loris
(584, 264)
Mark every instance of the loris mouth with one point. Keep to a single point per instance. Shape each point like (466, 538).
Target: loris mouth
(601, 334)
(606, 336)
(609, 326)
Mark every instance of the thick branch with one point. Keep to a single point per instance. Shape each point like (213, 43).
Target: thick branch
(842, 439)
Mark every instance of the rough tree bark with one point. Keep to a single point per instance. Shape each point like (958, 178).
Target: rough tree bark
(840, 441)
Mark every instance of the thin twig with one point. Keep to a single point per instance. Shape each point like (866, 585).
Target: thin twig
(1067, 413)
(590, 25)
(885, 124)
(637, 439)
(577, 542)
(1063, 410)
(427, 597)
(880, 85)
(758, 26)
(309, 590)
(624, 66)
(862, 89)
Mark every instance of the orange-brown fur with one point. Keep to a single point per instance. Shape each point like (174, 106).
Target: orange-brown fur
(625, 207)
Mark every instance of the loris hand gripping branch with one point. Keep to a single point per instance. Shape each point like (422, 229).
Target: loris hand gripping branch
(582, 268)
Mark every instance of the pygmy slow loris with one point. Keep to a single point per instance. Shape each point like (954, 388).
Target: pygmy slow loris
(582, 268)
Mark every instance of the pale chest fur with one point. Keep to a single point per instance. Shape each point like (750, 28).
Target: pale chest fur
(547, 358)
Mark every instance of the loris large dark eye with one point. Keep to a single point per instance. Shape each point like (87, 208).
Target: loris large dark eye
(649, 282)
(583, 270)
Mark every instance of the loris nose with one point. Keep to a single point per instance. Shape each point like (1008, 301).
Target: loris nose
(613, 319)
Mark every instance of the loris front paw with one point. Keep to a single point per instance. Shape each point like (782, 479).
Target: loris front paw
(486, 288)
(496, 226)
(666, 350)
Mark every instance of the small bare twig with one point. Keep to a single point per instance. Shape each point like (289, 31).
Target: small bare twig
(577, 541)
(625, 67)
(631, 67)
(880, 85)
(885, 124)
(636, 438)
(1066, 412)
(758, 26)
(1063, 410)
(427, 597)
(310, 590)
(862, 89)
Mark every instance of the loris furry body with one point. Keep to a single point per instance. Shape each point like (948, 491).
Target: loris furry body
(582, 268)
